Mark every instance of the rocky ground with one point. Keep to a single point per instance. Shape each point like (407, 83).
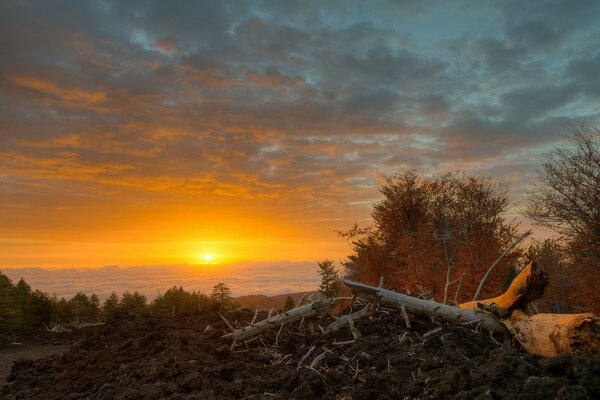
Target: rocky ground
(154, 357)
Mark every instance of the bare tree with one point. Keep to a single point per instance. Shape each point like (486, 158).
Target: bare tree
(567, 197)
(567, 200)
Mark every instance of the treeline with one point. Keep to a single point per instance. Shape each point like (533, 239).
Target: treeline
(437, 236)
(23, 309)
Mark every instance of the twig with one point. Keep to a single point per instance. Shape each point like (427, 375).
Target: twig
(347, 342)
(305, 356)
(227, 322)
(278, 333)
(405, 316)
(489, 271)
(317, 360)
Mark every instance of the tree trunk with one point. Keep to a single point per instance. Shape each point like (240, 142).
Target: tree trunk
(527, 286)
(551, 335)
(427, 308)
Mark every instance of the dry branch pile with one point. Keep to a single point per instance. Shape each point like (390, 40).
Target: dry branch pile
(544, 334)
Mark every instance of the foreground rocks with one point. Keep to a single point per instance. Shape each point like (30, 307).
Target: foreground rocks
(155, 357)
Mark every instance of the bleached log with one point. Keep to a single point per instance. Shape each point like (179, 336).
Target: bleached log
(551, 335)
(527, 286)
(426, 308)
(293, 315)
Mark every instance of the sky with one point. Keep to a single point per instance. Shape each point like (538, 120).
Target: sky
(161, 132)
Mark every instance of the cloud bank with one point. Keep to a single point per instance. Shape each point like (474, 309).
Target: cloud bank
(242, 278)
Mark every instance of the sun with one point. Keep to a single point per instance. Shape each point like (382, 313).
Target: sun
(207, 257)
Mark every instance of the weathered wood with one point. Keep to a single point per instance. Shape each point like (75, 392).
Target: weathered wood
(527, 286)
(344, 320)
(551, 335)
(275, 321)
(427, 308)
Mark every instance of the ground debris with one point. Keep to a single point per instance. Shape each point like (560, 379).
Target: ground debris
(155, 357)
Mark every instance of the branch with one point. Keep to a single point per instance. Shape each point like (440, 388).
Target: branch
(504, 254)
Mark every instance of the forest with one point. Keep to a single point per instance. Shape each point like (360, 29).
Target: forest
(23, 309)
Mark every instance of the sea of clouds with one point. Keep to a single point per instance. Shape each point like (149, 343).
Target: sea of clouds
(268, 278)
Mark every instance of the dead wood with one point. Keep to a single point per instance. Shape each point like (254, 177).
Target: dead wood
(527, 286)
(551, 335)
(426, 308)
(344, 320)
(504, 254)
(275, 321)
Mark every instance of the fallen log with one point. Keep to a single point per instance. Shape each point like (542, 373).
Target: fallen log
(527, 286)
(426, 308)
(551, 335)
(295, 314)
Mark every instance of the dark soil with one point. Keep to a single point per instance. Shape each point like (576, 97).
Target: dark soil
(163, 357)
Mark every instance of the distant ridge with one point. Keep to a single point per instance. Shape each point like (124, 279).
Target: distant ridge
(265, 303)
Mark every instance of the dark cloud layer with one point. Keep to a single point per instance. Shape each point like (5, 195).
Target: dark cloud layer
(302, 102)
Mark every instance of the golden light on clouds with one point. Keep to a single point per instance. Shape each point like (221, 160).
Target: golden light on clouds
(254, 133)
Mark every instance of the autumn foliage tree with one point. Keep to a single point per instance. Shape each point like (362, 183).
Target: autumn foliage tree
(431, 230)
(567, 200)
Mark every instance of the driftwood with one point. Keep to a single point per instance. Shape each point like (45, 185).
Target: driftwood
(527, 286)
(426, 308)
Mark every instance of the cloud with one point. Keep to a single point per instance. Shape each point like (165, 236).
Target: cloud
(293, 106)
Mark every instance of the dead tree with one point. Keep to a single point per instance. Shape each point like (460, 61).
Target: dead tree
(526, 287)
(295, 314)
(544, 334)
(551, 335)
(426, 308)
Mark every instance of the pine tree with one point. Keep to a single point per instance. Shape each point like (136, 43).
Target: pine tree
(221, 295)
(289, 304)
(111, 307)
(134, 303)
(9, 304)
(330, 279)
(95, 303)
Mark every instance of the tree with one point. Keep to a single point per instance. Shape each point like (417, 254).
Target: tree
(567, 200)
(567, 197)
(178, 300)
(111, 307)
(134, 303)
(289, 303)
(330, 279)
(221, 295)
(10, 314)
(428, 231)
